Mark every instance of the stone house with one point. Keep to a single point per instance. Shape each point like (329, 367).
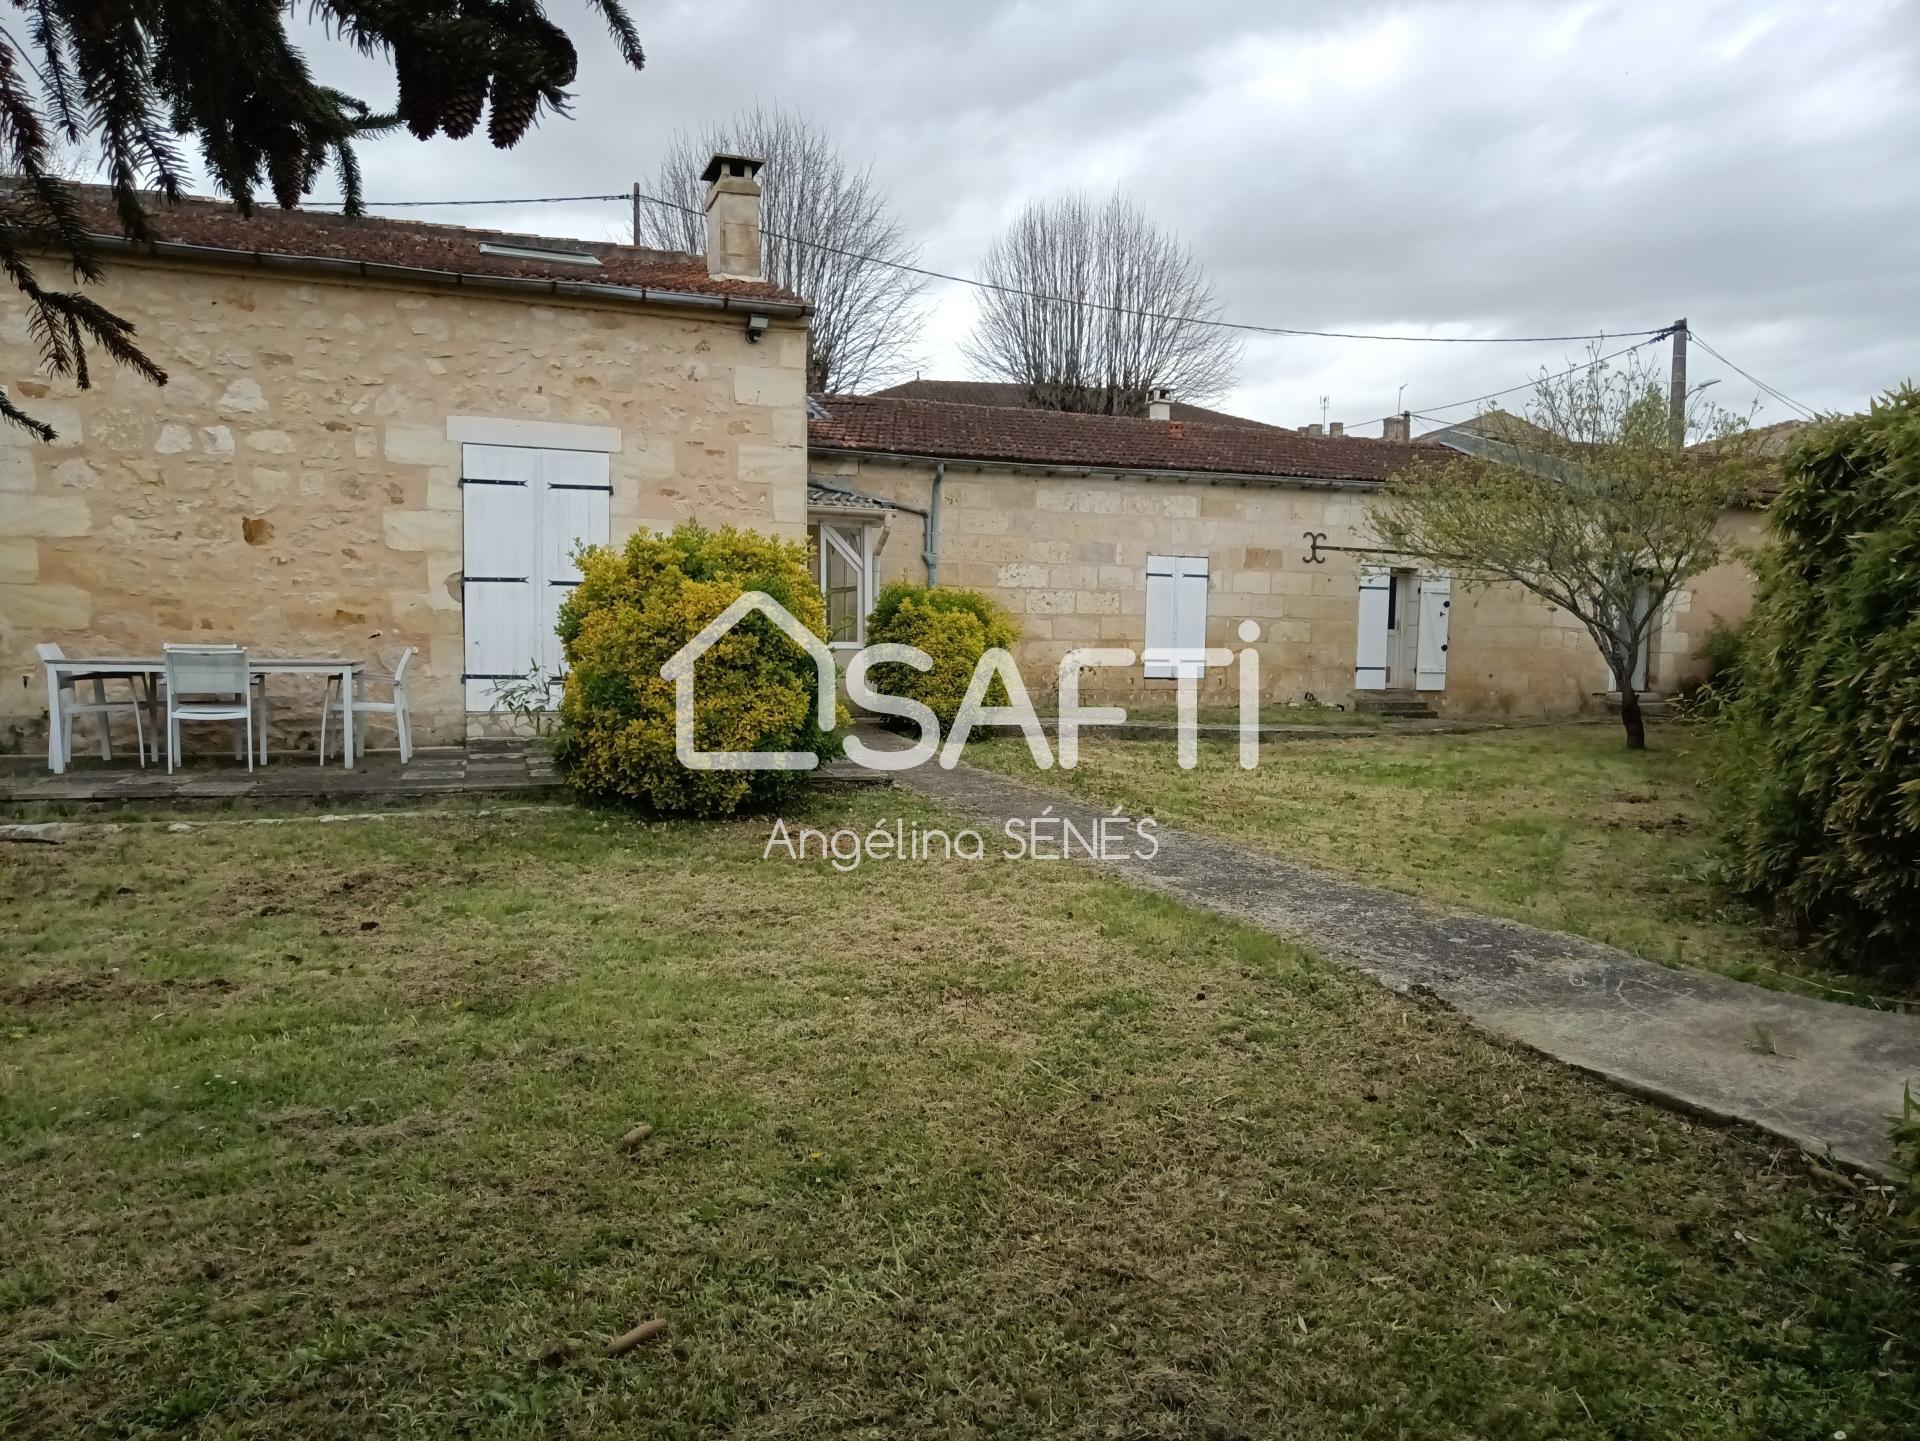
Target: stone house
(378, 434)
(1151, 532)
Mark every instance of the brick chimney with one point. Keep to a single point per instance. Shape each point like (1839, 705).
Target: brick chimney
(733, 217)
(1313, 429)
(1398, 427)
(1159, 403)
(1336, 427)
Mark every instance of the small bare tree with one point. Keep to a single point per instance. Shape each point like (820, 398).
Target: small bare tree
(1093, 305)
(1589, 506)
(826, 234)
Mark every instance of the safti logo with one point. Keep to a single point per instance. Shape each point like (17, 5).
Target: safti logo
(1187, 666)
(679, 670)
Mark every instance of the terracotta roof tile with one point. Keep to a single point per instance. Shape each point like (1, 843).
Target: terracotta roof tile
(1013, 394)
(418, 245)
(887, 425)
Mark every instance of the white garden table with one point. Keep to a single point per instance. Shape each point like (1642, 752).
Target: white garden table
(152, 668)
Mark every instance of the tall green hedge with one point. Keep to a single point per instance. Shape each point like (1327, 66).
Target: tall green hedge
(1822, 768)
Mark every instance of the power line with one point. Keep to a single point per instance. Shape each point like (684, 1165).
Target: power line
(1428, 412)
(1779, 395)
(1018, 293)
(523, 200)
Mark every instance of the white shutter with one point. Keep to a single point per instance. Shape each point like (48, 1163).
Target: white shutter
(1176, 616)
(576, 498)
(1430, 657)
(1190, 631)
(500, 564)
(1370, 649)
(525, 513)
(1642, 608)
(1163, 612)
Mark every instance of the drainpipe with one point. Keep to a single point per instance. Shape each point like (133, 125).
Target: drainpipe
(931, 553)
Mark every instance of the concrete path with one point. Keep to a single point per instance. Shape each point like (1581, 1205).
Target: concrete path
(1825, 1076)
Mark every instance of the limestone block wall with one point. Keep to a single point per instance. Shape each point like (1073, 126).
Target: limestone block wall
(293, 487)
(1066, 555)
(1722, 594)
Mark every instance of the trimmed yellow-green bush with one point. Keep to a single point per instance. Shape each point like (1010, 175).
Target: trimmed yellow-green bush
(955, 627)
(754, 690)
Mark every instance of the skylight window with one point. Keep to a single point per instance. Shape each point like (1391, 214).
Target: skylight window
(534, 252)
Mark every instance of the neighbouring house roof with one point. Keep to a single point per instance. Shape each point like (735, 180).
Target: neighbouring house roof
(1494, 424)
(1768, 440)
(1500, 436)
(1014, 395)
(890, 425)
(450, 252)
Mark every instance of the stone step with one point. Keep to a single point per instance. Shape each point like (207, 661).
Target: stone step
(1406, 705)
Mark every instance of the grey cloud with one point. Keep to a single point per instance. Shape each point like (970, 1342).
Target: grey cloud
(1465, 167)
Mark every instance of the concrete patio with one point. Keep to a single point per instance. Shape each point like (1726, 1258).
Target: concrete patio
(379, 775)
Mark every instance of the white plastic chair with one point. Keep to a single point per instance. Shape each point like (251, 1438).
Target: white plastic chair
(209, 683)
(71, 706)
(335, 704)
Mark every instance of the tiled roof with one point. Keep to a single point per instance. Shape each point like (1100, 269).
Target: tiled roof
(838, 497)
(1014, 395)
(417, 245)
(884, 425)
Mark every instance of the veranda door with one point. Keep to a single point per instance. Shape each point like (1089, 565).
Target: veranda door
(526, 512)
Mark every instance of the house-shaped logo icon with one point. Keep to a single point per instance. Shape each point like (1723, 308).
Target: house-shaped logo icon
(679, 670)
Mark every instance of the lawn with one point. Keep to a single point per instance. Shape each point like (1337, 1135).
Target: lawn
(1561, 826)
(314, 1130)
(1228, 714)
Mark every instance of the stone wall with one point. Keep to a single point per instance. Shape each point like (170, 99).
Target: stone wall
(293, 486)
(1066, 555)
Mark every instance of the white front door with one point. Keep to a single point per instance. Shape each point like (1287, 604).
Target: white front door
(525, 513)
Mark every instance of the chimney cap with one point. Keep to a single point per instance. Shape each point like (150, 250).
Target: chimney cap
(1160, 392)
(726, 163)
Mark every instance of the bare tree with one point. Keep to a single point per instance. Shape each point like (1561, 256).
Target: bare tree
(1094, 305)
(1588, 504)
(826, 234)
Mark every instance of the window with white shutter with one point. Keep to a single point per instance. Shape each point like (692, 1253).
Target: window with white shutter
(1176, 616)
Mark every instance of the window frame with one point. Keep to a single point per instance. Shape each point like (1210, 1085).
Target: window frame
(837, 533)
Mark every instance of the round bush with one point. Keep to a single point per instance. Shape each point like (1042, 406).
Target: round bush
(955, 627)
(754, 690)
(1822, 763)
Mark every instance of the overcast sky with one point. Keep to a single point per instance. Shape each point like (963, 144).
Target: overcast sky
(1455, 167)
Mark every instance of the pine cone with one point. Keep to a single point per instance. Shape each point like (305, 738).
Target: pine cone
(515, 101)
(466, 94)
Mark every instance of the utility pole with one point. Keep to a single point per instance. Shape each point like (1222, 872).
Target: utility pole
(1677, 384)
(636, 218)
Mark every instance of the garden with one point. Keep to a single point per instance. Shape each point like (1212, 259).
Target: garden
(390, 1127)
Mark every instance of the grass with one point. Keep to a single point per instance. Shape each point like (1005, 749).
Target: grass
(1272, 714)
(1561, 826)
(312, 1130)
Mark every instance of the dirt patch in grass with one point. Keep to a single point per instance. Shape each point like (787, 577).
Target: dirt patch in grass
(967, 1150)
(109, 988)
